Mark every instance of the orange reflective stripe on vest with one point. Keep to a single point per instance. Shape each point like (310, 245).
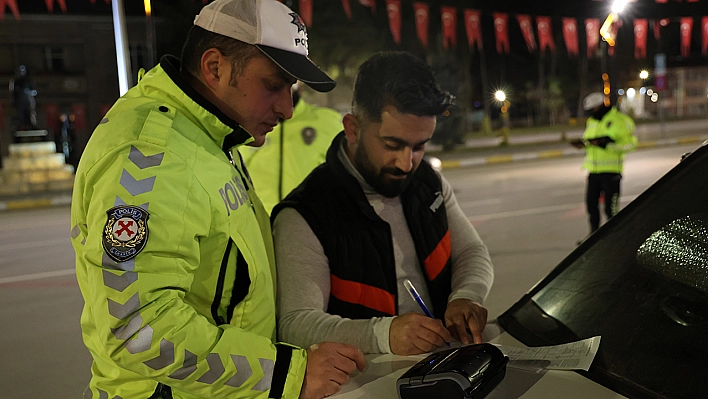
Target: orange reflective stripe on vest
(362, 294)
(436, 261)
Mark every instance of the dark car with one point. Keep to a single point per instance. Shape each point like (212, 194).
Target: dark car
(641, 283)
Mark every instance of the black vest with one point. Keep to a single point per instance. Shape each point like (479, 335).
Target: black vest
(358, 243)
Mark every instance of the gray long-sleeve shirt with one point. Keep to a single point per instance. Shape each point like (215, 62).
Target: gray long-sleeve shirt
(304, 277)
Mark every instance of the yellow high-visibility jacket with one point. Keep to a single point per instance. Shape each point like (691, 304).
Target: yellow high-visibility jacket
(292, 150)
(174, 256)
(620, 128)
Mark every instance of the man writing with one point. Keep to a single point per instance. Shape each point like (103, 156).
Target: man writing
(374, 215)
(174, 253)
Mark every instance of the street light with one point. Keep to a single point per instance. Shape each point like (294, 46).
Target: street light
(618, 6)
(609, 36)
(644, 74)
(500, 96)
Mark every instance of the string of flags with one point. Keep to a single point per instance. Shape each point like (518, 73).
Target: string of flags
(543, 25)
(541, 40)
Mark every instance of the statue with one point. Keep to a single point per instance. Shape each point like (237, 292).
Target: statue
(23, 92)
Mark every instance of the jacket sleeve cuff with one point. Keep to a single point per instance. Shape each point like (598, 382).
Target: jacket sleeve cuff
(289, 372)
(382, 328)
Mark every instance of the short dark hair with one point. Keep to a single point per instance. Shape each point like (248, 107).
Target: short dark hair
(401, 80)
(200, 40)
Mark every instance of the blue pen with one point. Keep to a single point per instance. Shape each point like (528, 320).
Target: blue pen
(416, 297)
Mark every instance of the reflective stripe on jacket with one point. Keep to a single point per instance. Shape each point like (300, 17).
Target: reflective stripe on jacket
(291, 151)
(195, 309)
(620, 128)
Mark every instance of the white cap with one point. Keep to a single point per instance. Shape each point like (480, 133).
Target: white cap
(272, 27)
(592, 100)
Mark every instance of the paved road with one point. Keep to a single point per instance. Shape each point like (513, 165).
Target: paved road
(529, 213)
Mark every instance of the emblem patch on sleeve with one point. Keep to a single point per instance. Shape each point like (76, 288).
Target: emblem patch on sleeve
(125, 233)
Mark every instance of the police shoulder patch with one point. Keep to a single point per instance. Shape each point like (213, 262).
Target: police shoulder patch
(126, 232)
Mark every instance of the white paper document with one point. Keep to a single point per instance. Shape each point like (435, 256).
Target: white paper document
(572, 356)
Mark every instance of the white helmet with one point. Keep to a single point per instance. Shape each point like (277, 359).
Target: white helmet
(592, 100)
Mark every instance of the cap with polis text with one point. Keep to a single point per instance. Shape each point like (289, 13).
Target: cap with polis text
(272, 27)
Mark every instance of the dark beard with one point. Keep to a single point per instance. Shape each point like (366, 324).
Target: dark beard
(376, 179)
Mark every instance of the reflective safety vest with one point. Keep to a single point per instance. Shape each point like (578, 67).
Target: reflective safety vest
(291, 151)
(174, 256)
(620, 128)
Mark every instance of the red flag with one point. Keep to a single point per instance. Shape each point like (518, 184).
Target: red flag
(527, 31)
(50, 5)
(704, 24)
(501, 31)
(422, 13)
(369, 3)
(393, 9)
(103, 109)
(545, 34)
(570, 35)
(592, 33)
(686, 28)
(13, 7)
(347, 8)
(449, 26)
(472, 27)
(641, 26)
(658, 25)
(79, 111)
(51, 117)
(305, 8)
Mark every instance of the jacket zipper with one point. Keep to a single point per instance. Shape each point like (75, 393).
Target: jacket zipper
(220, 285)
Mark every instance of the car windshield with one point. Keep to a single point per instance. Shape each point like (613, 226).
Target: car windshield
(641, 283)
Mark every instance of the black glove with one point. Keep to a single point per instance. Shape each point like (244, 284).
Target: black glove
(601, 141)
(578, 143)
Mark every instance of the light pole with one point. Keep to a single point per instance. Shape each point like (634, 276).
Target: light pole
(500, 96)
(150, 35)
(608, 34)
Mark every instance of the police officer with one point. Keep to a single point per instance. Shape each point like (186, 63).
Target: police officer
(292, 150)
(174, 253)
(608, 136)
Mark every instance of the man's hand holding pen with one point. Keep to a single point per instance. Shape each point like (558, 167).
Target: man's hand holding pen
(414, 333)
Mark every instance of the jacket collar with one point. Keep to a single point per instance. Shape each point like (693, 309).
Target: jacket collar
(348, 182)
(223, 130)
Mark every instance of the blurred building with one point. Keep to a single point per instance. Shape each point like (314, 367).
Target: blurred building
(72, 60)
(685, 95)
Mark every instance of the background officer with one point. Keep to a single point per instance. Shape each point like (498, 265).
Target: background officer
(294, 147)
(608, 136)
